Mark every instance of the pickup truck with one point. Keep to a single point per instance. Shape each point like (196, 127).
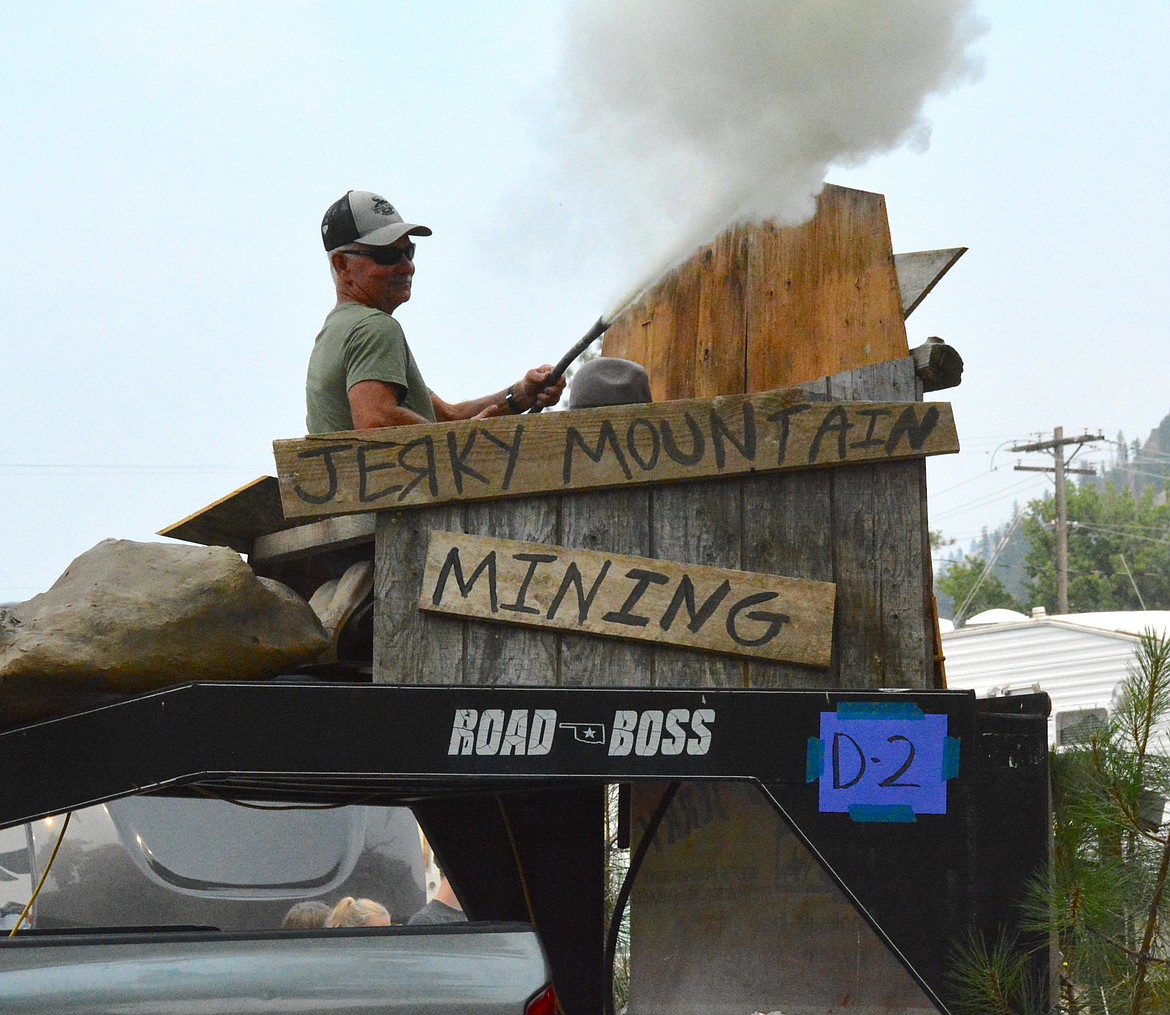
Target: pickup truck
(175, 904)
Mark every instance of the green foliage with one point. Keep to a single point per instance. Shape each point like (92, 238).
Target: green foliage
(1118, 550)
(1104, 901)
(996, 979)
(972, 592)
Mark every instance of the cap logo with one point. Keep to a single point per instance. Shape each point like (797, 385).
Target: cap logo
(383, 207)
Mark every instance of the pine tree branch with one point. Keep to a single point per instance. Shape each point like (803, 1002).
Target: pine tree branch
(1144, 959)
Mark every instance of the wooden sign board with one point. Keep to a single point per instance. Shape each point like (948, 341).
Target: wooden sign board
(631, 445)
(585, 591)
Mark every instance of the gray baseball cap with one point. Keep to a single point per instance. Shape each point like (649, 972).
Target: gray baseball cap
(608, 380)
(362, 217)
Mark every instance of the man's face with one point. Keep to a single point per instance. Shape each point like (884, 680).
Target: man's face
(383, 286)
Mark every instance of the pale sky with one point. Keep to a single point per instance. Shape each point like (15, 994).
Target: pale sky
(166, 166)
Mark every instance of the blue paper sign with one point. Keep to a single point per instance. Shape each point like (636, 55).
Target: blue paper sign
(882, 761)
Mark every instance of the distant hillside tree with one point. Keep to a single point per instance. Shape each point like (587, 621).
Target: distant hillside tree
(1118, 550)
(1139, 466)
(972, 592)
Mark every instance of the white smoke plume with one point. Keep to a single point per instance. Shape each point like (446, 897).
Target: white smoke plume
(685, 117)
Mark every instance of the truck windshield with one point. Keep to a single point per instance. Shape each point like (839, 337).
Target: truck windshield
(153, 861)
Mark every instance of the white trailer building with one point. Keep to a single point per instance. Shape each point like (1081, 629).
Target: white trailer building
(1078, 660)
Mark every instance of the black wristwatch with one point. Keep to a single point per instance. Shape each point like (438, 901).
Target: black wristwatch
(510, 399)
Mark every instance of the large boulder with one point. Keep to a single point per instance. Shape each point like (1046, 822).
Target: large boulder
(128, 617)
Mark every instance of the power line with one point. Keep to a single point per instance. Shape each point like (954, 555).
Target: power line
(987, 567)
(104, 469)
(1060, 467)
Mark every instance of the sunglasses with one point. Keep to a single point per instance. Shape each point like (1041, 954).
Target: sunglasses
(385, 255)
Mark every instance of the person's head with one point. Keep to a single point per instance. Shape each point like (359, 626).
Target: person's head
(306, 916)
(371, 254)
(351, 912)
(608, 380)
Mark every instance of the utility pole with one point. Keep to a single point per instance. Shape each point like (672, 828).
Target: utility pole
(1061, 468)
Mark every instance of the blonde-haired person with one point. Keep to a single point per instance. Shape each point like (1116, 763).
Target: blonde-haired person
(306, 916)
(351, 912)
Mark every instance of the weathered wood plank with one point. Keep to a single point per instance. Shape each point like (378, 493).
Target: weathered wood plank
(616, 596)
(235, 520)
(672, 328)
(921, 271)
(409, 649)
(335, 533)
(627, 336)
(823, 297)
(495, 653)
(881, 638)
(596, 448)
(697, 523)
(788, 529)
(720, 354)
(655, 331)
(817, 299)
(617, 521)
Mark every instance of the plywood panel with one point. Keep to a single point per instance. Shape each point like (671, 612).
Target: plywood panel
(919, 272)
(763, 307)
(720, 351)
(824, 296)
(236, 520)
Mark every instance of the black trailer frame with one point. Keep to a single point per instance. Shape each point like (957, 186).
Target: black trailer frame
(928, 808)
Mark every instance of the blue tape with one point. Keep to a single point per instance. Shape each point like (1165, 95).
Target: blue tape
(893, 813)
(814, 766)
(849, 711)
(950, 761)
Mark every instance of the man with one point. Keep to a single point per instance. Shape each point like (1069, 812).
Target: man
(443, 908)
(361, 371)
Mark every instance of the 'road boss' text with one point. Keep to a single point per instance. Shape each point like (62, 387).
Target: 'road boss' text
(524, 731)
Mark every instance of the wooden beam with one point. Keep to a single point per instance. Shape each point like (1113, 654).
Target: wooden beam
(236, 519)
(938, 365)
(712, 609)
(314, 537)
(634, 445)
(921, 271)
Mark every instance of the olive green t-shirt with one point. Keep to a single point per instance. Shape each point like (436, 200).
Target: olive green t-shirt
(359, 343)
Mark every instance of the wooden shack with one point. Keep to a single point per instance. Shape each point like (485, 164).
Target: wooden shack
(818, 518)
(815, 309)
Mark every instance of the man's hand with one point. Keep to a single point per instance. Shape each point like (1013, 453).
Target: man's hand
(534, 389)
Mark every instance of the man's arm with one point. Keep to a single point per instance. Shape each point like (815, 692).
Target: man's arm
(530, 390)
(376, 403)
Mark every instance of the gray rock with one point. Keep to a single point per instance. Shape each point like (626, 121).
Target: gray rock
(128, 617)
